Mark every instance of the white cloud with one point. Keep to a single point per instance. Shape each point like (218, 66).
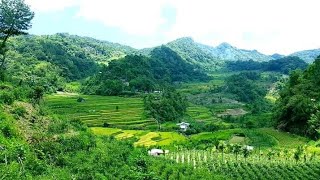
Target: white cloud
(266, 25)
(51, 5)
(139, 17)
(275, 26)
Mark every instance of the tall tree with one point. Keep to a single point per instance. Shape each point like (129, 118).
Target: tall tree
(15, 19)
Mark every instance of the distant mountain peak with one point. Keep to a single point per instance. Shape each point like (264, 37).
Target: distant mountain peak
(225, 45)
(277, 56)
(307, 55)
(184, 39)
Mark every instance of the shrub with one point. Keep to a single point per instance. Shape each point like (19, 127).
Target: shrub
(20, 111)
(81, 99)
(7, 97)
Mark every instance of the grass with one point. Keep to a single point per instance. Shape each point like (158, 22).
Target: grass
(96, 111)
(105, 131)
(285, 139)
(220, 135)
(264, 137)
(237, 140)
(73, 87)
(199, 113)
(144, 138)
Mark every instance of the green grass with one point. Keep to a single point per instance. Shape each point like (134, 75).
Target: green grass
(285, 139)
(105, 131)
(220, 135)
(264, 137)
(73, 87)
(200, 113)
(95, 111)
(144, 138)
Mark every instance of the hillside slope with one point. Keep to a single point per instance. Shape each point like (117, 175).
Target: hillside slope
(307, 55)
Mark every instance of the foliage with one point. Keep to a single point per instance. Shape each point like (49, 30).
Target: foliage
(298, 102)
(68, 149)
(283, 65)
(245, 86)
(277, 164)
(135, 73)
(15, 18)
(56, 50)
(167, 106)
(195, 53)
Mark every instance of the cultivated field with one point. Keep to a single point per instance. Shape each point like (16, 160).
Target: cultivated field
(142, 138)
(97, 111)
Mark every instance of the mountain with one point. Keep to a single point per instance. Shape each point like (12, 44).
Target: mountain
(226, 52)
(208, 57)
(188, 48)
(195, 53)
(75, 57)
(138, 73)
(308, 55)
(277, 56)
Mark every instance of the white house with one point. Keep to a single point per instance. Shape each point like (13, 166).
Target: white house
(183, 126)
(249, 148)
(157, 152)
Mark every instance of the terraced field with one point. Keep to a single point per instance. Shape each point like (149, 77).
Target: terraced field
(97, 111)
(200, 113)
(143, 138)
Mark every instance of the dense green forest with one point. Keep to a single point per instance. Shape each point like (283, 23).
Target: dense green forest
(282, 65)
(297, 108)
(135, 73)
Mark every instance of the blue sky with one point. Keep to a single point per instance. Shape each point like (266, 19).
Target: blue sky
(270, 26)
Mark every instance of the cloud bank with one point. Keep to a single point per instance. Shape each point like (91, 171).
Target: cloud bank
(266, 25)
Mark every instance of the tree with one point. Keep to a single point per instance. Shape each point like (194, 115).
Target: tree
(15, 19)
(167, 106)
(237, 150)
(296, 109)
(222, 147)
(298, 153)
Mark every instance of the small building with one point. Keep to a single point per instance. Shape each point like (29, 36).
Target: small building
(249, 148)
(157, 152)
(183, 126)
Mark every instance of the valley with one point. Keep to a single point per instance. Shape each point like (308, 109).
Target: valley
(75, 107)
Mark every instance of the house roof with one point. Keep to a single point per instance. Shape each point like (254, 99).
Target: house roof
(183, 123)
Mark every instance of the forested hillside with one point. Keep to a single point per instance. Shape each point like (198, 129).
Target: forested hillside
(297, 109)
(307, 55)
(283, 65)
(136, 73)
(77, 57)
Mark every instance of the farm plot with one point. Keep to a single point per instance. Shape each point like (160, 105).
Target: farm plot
(143, 138)
(97, 111)
(254, 165)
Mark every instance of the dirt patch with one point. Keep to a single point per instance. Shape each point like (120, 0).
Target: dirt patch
(237, 140)
(233, 112)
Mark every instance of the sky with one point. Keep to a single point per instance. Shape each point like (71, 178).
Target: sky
(269, 26)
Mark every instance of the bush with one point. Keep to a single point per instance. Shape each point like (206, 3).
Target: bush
(21, 93)
(20, 111)
(81, 99)
(7, 97)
